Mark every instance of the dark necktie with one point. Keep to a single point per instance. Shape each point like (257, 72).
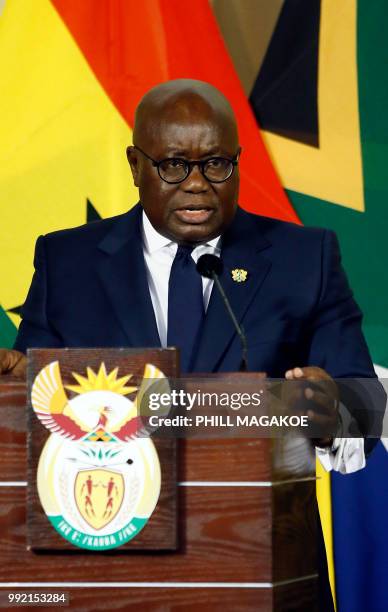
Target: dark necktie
(185, 306)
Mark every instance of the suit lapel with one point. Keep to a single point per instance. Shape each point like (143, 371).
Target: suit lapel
(122, 271)
(121, 267)
(241, 249)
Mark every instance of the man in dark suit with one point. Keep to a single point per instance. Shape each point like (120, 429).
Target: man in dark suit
(131, 280)
(91, 289)
(97, 285)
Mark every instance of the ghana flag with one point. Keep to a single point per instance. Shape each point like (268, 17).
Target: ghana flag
(71, 75)
(320, 95)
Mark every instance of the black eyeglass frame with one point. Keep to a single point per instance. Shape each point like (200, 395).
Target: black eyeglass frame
(190, 165)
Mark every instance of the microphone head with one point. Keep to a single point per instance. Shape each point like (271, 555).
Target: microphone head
(208, 264)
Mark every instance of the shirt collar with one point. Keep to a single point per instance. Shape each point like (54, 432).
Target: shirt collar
(153, 241)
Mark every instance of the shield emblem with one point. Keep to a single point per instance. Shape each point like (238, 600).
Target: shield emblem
(98, 495)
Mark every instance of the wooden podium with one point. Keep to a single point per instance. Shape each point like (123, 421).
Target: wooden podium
(246, 531)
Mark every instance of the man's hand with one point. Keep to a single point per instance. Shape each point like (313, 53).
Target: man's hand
(12, 362)
(322, 402)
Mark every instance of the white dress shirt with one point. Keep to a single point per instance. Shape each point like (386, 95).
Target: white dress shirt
(159, 253)
(347, 454)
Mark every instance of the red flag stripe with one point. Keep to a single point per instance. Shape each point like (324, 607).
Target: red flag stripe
(132, 46)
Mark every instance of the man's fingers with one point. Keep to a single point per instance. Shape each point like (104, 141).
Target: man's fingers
(20, 368)
(12, 362)
(313, 392)
(316, 377)
(6, 360)
(295, 373)
(322, 400)
(305, 388)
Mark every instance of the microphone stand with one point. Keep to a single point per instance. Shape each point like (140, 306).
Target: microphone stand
(239, 329)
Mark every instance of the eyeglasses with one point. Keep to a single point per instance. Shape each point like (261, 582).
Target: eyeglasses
(176, 169)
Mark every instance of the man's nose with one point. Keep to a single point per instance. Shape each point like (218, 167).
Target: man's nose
(195, 182)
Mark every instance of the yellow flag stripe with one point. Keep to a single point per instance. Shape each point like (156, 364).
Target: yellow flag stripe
(62, 139)
(332, 172)
(324, 504)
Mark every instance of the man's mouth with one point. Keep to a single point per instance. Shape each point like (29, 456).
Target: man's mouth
(194, 214)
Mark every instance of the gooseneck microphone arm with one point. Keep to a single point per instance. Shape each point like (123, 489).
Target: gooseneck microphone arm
(211, 266)
(239, 329)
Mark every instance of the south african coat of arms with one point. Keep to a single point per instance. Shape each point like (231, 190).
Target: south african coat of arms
(98, 479)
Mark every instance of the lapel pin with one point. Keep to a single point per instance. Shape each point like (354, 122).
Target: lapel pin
(239, 275)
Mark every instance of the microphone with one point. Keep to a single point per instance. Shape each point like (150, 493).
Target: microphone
(211, 266)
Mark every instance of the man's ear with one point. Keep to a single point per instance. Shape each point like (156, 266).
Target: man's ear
(133, 160)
